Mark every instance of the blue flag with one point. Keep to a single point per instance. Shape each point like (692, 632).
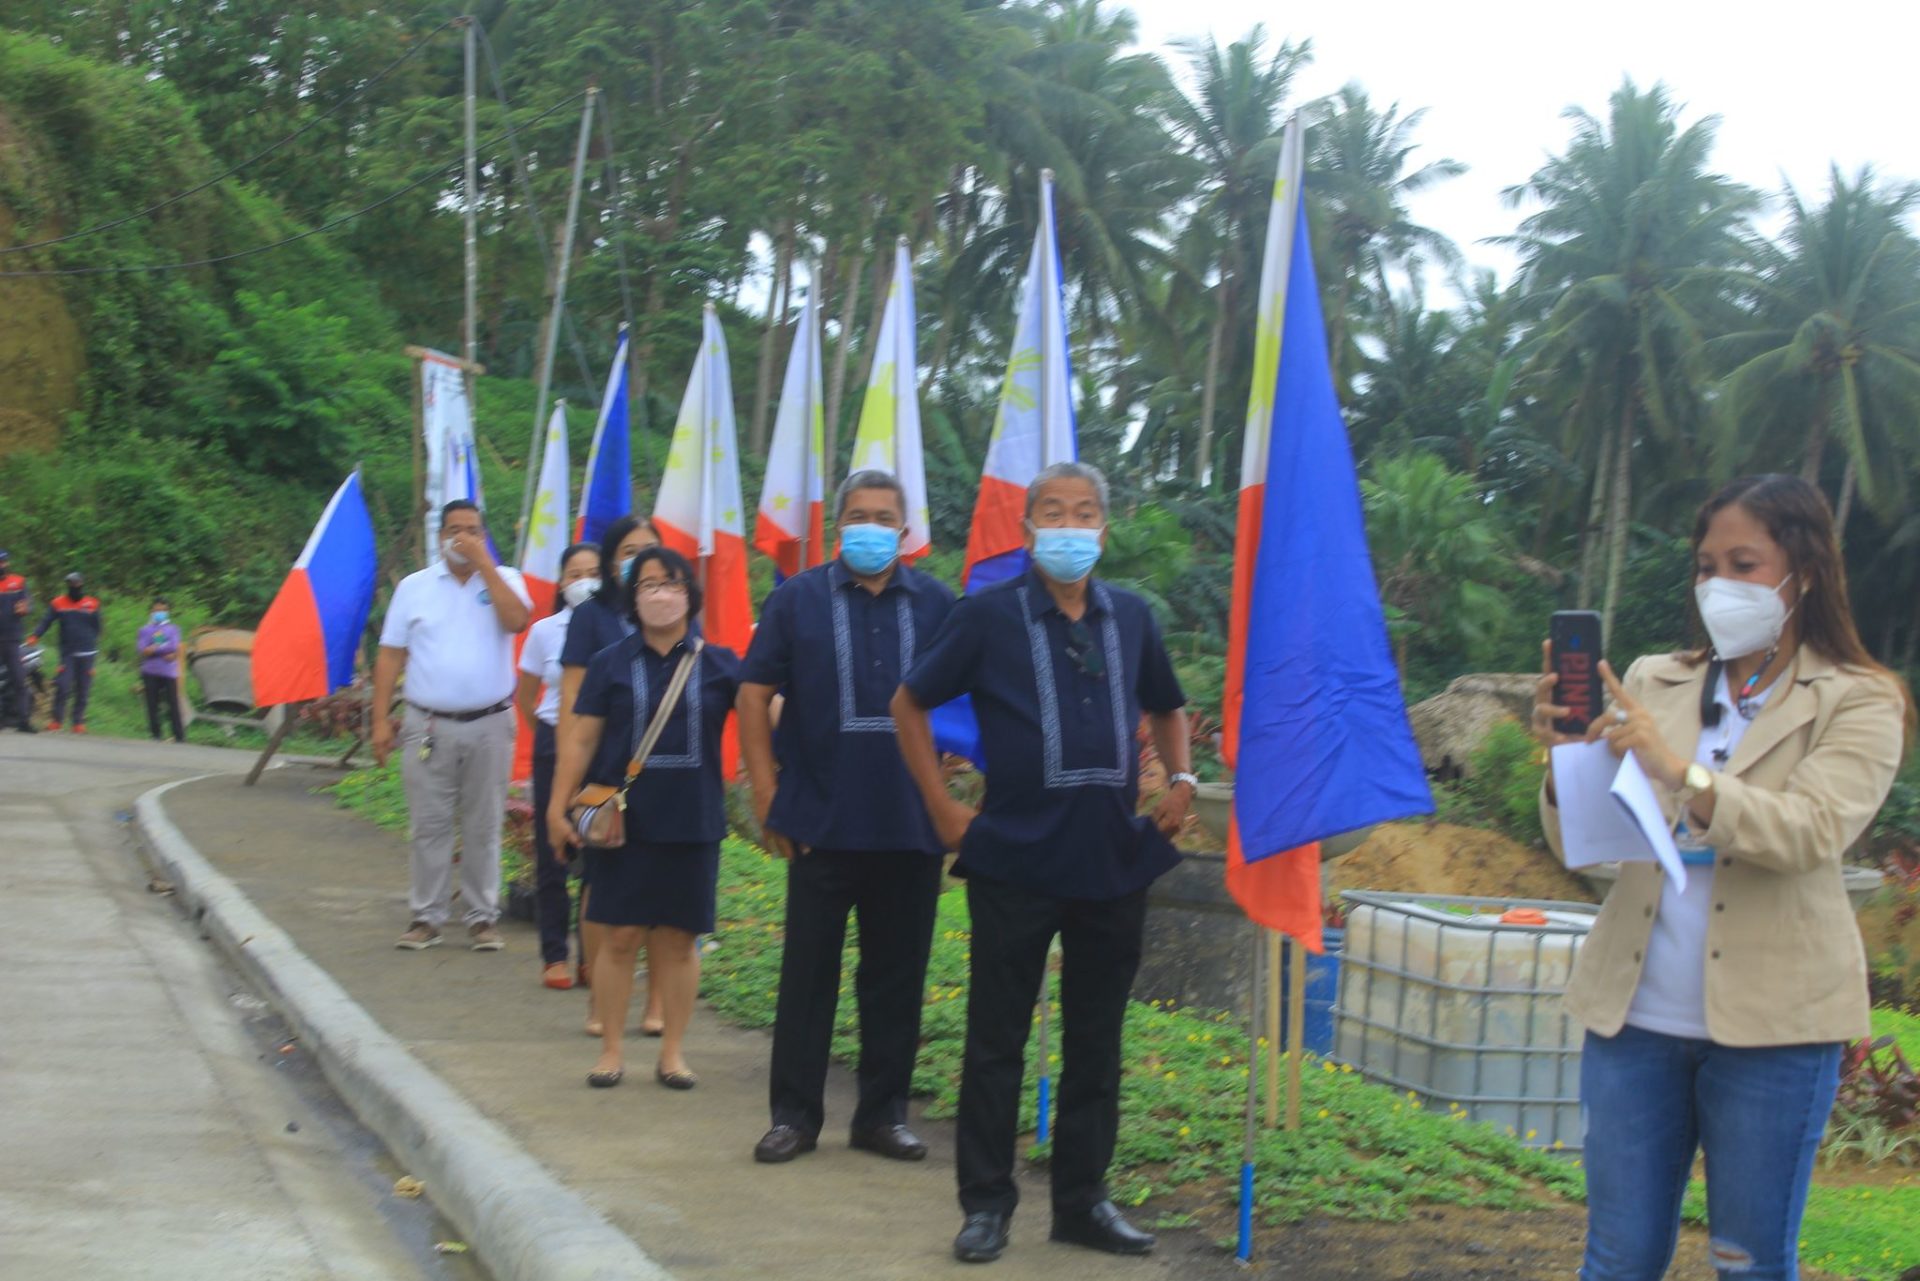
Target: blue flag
(1325, 745)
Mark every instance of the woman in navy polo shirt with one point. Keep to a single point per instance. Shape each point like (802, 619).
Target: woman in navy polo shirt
(597, 622)
(659, 889)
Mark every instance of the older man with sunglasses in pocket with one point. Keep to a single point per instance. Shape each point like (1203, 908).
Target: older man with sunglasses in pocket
(1060, 667)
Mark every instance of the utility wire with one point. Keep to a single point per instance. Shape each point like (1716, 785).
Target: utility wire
(533, 205)
(175, 199)
(388, 199)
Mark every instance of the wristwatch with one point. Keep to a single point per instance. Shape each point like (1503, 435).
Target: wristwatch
(1191, 780)
(1697, 780)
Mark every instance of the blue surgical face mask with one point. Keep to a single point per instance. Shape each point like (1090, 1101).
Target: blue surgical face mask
(869, 549)
(626, 567)
(159, 615)
(1066, 555)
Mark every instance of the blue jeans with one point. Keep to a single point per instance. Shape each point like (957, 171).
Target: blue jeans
(1648, 1101)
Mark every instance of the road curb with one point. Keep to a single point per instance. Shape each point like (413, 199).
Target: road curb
(523, 1222)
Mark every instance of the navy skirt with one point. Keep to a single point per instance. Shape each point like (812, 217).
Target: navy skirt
(655, 883)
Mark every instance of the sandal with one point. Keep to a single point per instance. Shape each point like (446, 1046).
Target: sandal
(681, 1080)
(556, 977)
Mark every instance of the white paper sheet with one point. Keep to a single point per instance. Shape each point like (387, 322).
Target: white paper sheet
(1609, 812)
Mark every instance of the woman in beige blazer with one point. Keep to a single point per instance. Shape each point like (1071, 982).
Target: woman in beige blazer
(1715, 1015)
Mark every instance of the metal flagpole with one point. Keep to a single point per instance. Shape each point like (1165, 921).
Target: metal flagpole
(1245, 1252)
(1043, 1126)
(554, 313)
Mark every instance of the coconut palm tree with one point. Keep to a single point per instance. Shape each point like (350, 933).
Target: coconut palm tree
(1834, 346)
(1634, 242)
(1231, 120)
(1359, 179)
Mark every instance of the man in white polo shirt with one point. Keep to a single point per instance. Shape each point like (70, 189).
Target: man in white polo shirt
(450, 627)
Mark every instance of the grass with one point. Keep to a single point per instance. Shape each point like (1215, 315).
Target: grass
(1363, 1151)
(1904, 1028)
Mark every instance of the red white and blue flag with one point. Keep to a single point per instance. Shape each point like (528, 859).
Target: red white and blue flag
(1034, 426)
(1315, 726)
(606, 491)
(791, 526)
(305, 646)
(888, 437)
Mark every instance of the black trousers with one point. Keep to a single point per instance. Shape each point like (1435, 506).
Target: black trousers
(895, 894)
(19, 693)
(552, 908)
(75, 677)
(163, 692)
(1100, 951)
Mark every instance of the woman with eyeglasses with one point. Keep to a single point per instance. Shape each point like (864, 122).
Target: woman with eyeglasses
(1716, 1014)
(659, 889)
(597, 622)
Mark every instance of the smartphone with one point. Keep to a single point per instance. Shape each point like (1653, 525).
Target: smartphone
(1575, 636)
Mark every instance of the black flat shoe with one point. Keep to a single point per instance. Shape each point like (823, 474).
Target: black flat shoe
(783, 1143)
(894, 1141)
(605, 1080)
(1102, 1228)
(982, 1237)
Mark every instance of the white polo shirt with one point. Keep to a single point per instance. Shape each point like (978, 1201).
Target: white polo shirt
(459, 658)
(540, 656)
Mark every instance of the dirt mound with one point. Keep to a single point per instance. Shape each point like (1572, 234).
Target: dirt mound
(1439, 858)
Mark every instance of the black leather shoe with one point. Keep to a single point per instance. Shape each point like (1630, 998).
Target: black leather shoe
(895, 1141)
(982, 1237)
(783, 1143)
(1102, 1228)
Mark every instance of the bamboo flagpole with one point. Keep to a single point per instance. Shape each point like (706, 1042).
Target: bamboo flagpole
(551, 338)
(1296, 1027)
(1245, 1250)
(1274, 943)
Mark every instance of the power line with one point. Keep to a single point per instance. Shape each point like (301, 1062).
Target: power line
(175, 199)
(388, 199)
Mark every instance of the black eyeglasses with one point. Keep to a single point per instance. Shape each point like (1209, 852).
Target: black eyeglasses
(1085, 654)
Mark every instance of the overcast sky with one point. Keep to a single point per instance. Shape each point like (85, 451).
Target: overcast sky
(1796, 85)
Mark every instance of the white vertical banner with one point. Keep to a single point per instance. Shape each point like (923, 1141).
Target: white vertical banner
(446, 419)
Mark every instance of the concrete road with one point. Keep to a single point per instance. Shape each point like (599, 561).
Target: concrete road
(155, 1120)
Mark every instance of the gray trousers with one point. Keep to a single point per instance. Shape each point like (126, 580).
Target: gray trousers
(464, 779)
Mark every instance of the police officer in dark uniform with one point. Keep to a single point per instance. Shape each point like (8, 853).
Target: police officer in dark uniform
(15, 602)
(841, 809)
(78, 616)
(1060, 666)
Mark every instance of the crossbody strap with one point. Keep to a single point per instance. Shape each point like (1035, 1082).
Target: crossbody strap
(657, 726)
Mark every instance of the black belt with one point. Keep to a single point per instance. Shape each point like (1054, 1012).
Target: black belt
(463, 717)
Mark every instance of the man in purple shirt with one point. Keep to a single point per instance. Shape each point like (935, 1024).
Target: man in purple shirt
(160, 670)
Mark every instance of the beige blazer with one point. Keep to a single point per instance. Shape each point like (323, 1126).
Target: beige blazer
(1785, 963)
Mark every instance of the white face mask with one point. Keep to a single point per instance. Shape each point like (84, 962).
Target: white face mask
(579, 590)
(1742, 618)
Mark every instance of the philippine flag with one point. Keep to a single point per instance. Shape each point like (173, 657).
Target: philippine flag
(888, 438)
(606, 491)
(790, 526)
(1034, 427)
(698, 510)
(1315, 724)
(305, 646)
(540, 561)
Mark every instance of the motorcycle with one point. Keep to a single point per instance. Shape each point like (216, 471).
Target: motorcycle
(33, 660)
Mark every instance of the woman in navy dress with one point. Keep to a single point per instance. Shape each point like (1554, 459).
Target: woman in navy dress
(600, 621)
(657, 891)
